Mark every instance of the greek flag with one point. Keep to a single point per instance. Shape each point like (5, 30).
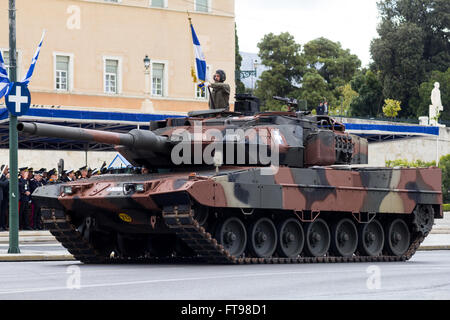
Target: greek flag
(4, 80)
(200, 63)
(27, 78)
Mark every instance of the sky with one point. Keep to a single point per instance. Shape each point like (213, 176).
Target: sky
(351, 22)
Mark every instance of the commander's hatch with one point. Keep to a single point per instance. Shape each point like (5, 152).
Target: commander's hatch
(325, 122)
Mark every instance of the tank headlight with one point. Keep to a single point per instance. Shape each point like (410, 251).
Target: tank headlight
(68, 190)
(140, 188)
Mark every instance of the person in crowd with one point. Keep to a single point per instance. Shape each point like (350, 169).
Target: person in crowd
(4, 197)
(83, 172)
(70, 175)
(320, 109)
(24, 199)
(325, 107)
(52, 176)
(34, 184)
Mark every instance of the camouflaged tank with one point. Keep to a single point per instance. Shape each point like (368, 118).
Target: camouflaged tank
(208, 198)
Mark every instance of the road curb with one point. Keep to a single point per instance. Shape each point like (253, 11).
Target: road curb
(35, 257)
(429, 248)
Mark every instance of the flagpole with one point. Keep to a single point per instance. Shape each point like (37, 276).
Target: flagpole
(13, 142)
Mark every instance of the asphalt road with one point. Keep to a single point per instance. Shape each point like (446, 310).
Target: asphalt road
(425, 276)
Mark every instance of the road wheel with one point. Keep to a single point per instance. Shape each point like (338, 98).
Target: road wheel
(371, 238)
(291, 238)
(317, 236)
(232, 235)
(344, 238)
(262, 238)
(397, 237)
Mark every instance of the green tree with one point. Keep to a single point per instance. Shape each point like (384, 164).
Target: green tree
(444, 164)
(335, 65)
(391, 108)
(413, 41)
(370, 96)
(283, 56)
(425, 93)
(240, 88)
(347, 96)
(314, 88)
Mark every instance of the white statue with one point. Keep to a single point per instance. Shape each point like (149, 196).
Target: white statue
(436, 96)
(436, 105)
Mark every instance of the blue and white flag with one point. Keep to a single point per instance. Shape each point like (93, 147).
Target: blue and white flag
(27, 78)
(4, 80)
(200, 63)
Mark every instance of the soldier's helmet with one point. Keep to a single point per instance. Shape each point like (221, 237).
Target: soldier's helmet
(222, 75)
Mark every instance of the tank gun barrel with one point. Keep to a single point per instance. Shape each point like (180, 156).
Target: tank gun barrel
(136, 139)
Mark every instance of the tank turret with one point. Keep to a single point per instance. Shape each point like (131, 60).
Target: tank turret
(294, 139)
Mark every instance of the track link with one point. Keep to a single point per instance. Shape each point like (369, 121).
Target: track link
(60, 226)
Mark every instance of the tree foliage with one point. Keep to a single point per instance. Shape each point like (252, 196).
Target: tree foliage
(391, 108)
(286, 66)
(334, 64)
(370, 96)
(413, 41)
(315, 74)
(240, 88)
(444, 164)
(347, 96)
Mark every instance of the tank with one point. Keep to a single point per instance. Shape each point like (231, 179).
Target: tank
(240, 187)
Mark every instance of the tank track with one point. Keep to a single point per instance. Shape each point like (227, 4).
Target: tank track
(182, 221)
(187, 228)
(60, 226)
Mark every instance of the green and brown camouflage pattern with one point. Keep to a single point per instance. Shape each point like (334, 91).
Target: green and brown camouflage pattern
(346, 190)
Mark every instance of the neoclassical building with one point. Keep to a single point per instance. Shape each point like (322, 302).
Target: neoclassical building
(93, 52)
(92, 61)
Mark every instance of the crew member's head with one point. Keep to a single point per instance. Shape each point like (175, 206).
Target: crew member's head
(220, 76)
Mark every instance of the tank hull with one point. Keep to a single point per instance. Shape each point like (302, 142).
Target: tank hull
(189, 215)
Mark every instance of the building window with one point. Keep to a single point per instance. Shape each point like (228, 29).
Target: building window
(111, 75)
(62, 73)
(5, 55)
(158, 3)
(158, 83)
(202, 5)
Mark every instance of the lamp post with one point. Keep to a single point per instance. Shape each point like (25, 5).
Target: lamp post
(147, 105)
(13, 142)
(255, 68)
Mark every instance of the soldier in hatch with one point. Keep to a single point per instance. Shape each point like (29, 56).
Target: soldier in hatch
(220, 95)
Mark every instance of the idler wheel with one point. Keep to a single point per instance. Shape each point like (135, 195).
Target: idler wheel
(317, 235)
(291, 238)
(344, 238)
(262, 238)
(371, 238)
(232, 235)
(397, 237)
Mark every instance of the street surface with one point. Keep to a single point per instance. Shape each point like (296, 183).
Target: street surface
(425, 276)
